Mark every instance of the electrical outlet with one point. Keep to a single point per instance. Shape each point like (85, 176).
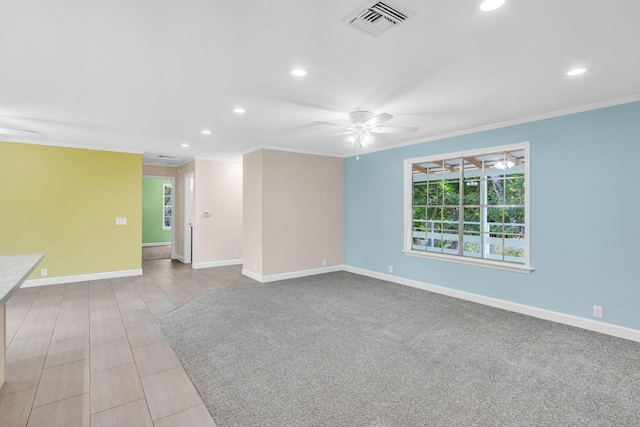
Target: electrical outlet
(324, 262)
(44, 272)
(597, 311)
(391, 269)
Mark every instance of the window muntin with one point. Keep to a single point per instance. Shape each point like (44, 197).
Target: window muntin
(471, 205)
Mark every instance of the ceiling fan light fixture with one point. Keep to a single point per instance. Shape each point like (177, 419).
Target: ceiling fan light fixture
(366, 140)
(351, 139)
(489, 5)
(504, 164)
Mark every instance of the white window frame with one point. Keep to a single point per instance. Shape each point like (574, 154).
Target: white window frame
(408, 209)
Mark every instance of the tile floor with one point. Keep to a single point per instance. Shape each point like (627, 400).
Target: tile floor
(91, 353)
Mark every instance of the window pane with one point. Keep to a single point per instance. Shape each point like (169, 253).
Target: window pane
(435, 193)
(514, 191)
(451, 192)
(471, 244)
(450, 243)
(450, 225)
(450, 214)
(420, 194)
(435, 242)
(419, 222)
(472, 191)
(493, 246)
(492, 171)
(496, 228)
(516, 230)
(514, 248)
(514, 217)
(434, 214)
(419, 244)
(495, 215)
(495, 191)
(472, 214)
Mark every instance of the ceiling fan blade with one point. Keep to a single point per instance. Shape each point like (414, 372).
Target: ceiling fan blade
(342, 133)
(395, 129)
(378, 120)
(333, 124)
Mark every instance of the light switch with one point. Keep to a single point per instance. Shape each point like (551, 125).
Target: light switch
(206, 213)
(121, 221)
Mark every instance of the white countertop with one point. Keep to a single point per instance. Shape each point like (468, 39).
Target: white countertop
(14, 269)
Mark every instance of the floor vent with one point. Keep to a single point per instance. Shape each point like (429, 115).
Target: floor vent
(378, 17)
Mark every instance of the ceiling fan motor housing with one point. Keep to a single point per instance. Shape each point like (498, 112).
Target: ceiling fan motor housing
(359, 118)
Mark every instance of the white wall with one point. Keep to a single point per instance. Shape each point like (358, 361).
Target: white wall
(252, 216)
(301, 223)
(218, 238)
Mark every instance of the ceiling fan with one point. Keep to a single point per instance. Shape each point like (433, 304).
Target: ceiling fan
(364, 124)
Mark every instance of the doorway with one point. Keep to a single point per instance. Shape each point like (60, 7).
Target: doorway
(158, 212)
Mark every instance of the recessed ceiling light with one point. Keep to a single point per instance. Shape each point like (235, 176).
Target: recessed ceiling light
(576, 71)
(489, 5)
(239, 110)
(184, 145)
(205, 132)
(299, 72)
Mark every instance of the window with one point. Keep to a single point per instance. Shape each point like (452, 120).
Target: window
(167, 206)
(470, 207)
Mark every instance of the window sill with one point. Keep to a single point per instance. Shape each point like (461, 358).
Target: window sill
(518, 268)
(166, 228)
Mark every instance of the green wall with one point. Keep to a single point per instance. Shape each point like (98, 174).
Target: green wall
(152, 231)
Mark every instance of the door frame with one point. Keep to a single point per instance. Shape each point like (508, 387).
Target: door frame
(189, 210)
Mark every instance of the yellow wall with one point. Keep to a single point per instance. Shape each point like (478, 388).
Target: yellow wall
(64, 202)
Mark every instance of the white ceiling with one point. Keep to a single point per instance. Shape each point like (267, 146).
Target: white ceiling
(148, 75)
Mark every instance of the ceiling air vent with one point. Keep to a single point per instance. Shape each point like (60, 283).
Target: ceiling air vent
(378, 17)
(153, 159)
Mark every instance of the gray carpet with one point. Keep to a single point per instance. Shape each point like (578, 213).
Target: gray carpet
(341, 349)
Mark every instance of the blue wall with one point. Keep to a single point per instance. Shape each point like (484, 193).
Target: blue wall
(585, 216)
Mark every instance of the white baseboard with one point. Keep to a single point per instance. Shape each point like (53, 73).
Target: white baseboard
(197, 265)
(567, 319)
(178, 257)
(252, 275)
(81, 278)
(291, 275)
(145, 245)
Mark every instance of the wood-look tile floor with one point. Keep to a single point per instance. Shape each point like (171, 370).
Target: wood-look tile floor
(92, 354)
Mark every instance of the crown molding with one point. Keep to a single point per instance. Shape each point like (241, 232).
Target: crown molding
(528, 119)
